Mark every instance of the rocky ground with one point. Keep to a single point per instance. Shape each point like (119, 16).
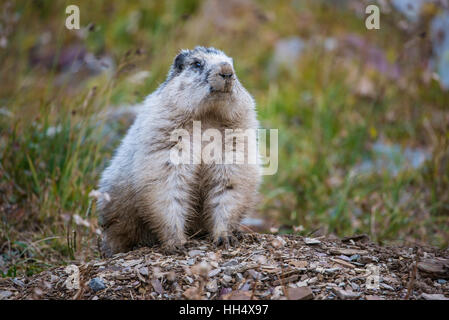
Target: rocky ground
(262, 267)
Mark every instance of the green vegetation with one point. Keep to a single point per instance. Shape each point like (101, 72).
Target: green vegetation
(330, 108)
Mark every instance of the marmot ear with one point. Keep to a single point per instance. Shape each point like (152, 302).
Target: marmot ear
(178, 63)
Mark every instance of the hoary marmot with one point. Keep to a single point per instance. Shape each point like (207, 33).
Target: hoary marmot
(155, 200)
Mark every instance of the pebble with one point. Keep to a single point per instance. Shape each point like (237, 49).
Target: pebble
(386, 286)
(354, 257)
(429, 296)
(312, 280)
(301, 284)
(97, 284)
(345, 295)
(311, 241)
(20, 282)
(441, 281)
(143, 271)
(214, 272)
(260, 259)
(212, 286)
(355, 286)
(230, 263)
(345, 258)
(226, 278)
(5, 294)
(254, 274)
(246, 286)
(331, 270)
(194, 253)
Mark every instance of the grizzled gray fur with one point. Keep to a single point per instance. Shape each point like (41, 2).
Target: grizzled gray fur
(153, 200)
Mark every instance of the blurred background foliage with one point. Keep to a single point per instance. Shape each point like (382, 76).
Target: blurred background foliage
(363, 115)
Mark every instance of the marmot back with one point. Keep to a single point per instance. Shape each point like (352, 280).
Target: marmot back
(157, 196)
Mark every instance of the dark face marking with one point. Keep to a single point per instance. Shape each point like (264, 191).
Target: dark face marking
(190, 60)
(178, 64)
(197, 65)
(206, 76)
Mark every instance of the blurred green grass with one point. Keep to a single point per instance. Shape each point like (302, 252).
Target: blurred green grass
(53, 145)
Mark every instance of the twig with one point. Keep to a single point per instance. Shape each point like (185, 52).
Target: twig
(413, 276)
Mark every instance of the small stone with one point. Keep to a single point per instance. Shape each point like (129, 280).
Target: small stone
(230, 263)
(441, 281)
(312, 280)
(254, 274)
(226, 278)
(276, 244)
(281, 240)
(277, 293)
(214, 272)
(345, 295)
(191, 262)
(345, 258)
(301, 293)
(436, 296)
(143, 271)
(246, 286)
(224, 291)
(355, 286)
(260, 259)
(386, 286)
(20, 282)
(354, 257)
(265, 294)
(194, 253)
(212, 256)
(157, 286)
(331, 270)
(5, 294)
(97, 284)
(131, 263)
(311, 241)
(301, 284)
(212, 286)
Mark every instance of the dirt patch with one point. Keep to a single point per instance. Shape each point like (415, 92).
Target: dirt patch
(262, 267)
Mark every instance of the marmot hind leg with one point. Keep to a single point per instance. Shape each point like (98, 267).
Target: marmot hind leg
(124, 233)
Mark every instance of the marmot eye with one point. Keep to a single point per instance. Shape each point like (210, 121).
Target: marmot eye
(197, 64)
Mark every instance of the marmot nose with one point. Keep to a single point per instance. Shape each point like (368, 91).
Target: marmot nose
(226, 71)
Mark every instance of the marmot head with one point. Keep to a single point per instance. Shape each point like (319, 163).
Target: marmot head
(204, 67)
(201, 78)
